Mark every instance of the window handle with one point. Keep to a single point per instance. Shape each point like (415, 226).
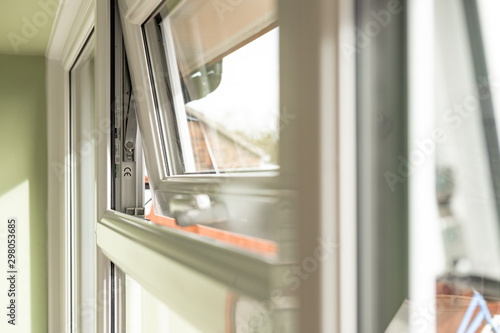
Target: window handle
(197, 209)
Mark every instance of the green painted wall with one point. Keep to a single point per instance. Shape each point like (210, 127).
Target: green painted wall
(25, 25)
(23, 186)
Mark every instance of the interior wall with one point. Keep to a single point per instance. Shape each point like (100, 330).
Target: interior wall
(23, 188)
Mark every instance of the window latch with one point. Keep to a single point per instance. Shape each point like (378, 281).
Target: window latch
(197, 209)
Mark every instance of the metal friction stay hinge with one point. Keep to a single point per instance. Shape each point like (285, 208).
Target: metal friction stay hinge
(131, 165)
(130, 129)
(129, 174)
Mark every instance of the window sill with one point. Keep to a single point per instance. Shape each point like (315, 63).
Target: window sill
(242, 271)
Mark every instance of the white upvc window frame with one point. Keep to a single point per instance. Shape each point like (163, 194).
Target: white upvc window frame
(318, 181)
(260, 189)
(73, 26)
(318, 85)
(146, 251)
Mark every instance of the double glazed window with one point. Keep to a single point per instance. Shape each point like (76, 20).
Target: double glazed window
(206, 82)
(216, 81)
(205, 86)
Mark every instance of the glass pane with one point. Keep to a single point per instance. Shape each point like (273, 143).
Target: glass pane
(83, 205)
(490, 25)
(466, 140)
(231, 128)
(223, 83)
(465, 179)
(145, 313)
(236, 314)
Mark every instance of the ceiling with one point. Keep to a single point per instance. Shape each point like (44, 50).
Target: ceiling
(25, 26)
